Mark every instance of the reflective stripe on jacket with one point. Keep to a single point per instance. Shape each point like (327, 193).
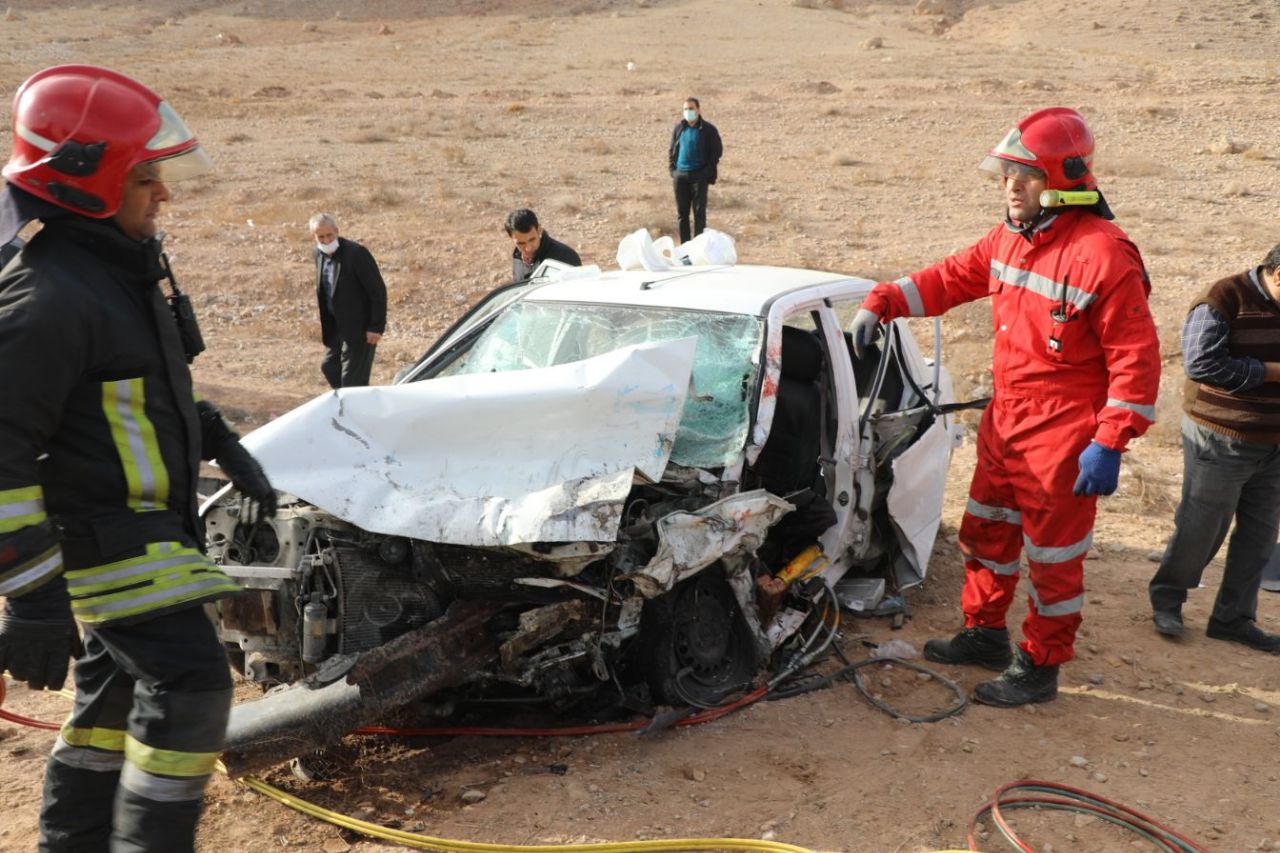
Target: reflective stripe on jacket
(165, 575)
(29, 553)
(99, 430)
(1070, 313)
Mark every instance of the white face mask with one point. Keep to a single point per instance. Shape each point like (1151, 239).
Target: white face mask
(328, 248)
(691, 116)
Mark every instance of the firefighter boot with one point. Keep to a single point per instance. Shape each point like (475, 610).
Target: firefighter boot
(987, 647)
(1023, 683)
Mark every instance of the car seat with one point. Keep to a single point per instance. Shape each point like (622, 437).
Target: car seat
(864, 374)
(788, 464)
(789, 460)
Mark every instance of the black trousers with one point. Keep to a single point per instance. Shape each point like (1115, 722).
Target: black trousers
(346, 365)
(691, 191)
(128, 770)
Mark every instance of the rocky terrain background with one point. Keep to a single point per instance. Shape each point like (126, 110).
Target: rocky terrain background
(852, 134)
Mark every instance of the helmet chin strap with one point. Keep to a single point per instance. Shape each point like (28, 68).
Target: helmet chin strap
(1026, 229)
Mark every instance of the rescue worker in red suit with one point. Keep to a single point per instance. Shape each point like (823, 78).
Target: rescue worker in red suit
(101, 439)
(1076, 368)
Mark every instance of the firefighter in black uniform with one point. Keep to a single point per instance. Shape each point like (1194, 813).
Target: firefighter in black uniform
(101, 438)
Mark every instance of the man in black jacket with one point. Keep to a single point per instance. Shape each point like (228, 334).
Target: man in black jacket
(101, 438)
(353, 304)
(693, 158)
(534, 245)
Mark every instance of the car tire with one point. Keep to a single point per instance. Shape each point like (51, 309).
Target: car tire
(695, 646)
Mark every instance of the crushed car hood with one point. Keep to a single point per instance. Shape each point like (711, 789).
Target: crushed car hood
(489, 459)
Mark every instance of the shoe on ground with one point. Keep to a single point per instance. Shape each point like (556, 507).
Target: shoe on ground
(1023, 683)
(1168, 622)
(1246, 632)
(1271, 584)
(987, 647)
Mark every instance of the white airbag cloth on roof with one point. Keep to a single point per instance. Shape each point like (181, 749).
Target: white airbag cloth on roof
(543, 455)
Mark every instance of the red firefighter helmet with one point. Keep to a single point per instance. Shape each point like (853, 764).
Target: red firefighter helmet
(1055, 144)
(78, 130)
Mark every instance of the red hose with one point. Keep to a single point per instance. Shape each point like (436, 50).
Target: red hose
(1122, 813)
(21, 720)
(1119, 813)
(479, 731)
(566, 731)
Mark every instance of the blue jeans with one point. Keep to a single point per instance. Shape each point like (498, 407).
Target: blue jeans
(1222, 478)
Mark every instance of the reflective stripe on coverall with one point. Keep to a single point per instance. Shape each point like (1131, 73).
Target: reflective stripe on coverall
(1076, 359)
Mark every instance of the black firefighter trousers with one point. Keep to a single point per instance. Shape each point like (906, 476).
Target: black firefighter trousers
(128, 770)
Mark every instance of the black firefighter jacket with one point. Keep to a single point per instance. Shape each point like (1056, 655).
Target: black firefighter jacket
(98, 429)
(359, 297)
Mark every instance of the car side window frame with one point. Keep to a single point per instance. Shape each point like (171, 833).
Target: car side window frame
(475, 318)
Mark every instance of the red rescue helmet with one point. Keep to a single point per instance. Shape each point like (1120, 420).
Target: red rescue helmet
(78, 130)
(1055, 144)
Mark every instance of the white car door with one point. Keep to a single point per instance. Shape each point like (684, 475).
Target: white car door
(920, 469)
(899, 426)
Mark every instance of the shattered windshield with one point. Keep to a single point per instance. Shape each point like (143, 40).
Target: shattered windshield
(713, 426)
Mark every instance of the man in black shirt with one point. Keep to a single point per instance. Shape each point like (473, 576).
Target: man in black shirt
(534, 245)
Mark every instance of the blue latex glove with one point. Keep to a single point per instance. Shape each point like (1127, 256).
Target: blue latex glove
(1099, 471)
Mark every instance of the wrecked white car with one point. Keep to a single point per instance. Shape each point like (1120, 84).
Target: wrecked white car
(597, 489)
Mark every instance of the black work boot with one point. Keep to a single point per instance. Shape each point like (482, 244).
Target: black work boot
(1246, 632)
(987, 647)
(1023, 683)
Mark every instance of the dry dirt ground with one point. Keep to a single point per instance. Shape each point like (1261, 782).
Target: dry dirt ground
(852, 132)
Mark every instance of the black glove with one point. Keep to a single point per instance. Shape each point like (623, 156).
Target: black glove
(38, 637)
(215, 435)
(221, 443)
(250, 479)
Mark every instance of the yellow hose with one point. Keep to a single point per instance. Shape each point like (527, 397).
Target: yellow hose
(448, 845)
(427, 842)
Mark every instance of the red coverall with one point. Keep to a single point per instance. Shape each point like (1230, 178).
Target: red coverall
(1065, 373)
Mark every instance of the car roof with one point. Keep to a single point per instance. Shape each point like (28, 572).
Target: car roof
(737, 289)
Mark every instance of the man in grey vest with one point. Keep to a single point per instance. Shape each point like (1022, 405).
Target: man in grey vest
(1230, 453)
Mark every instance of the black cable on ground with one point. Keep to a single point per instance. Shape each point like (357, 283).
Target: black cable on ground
(850, 672)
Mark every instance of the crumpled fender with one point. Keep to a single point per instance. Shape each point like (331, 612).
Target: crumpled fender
(688, 542)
